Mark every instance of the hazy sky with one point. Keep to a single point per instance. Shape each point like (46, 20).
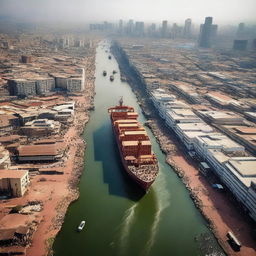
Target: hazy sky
(147, 10)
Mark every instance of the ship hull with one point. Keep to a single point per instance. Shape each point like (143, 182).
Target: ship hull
(143, 184)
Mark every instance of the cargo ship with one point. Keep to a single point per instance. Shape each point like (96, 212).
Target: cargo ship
(134, 146)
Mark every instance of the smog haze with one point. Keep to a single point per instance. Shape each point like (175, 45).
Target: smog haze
(224, 11)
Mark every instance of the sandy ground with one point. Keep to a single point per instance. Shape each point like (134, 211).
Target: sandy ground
(217, 208)
(58, 191)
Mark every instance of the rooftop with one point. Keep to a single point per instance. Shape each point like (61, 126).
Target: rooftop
(37, 150)
(4, 174)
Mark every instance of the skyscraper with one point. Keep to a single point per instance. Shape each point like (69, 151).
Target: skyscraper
(240, 33)
(240, 30)
(187, 28)
(139, 28)
(164, 28)
(208, 32)
(120, 27)
(130, 27)
(152, 30)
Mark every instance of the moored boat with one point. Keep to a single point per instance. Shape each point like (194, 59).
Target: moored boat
(134, 146)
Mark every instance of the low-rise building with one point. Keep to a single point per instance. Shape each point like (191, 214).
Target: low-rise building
(245, 135)
(5, 160)
(187, 132)
(14, 182)
(39, 153)
(221, 117)
(41, 127)
(215, 141)
(251, 116)
(240, 177)
(176, 116)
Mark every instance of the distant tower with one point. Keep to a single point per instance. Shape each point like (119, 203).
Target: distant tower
(208, 32)
(130, 27)
(187, 28)
(120, 27)
(240, 30)
(152, 29)
(175, 32)
(139, 28)
(164, 28)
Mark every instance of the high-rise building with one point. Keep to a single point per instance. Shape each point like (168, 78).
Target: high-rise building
(175, 31)
(208, 32)
(152, 30)
(164, 28)
(187, 28)
(139, 28)
(240, 45)
(120, 27)
(130, 27)
(240, 30)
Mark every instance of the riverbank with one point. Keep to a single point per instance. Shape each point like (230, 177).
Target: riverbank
(54, 193)
(65, 191)
(219, 211)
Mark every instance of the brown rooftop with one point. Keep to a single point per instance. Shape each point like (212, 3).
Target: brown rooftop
(246, 130)
(4, 174)
(38, 150)
(9, 138)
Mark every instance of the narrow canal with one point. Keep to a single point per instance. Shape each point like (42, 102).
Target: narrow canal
(120, 220)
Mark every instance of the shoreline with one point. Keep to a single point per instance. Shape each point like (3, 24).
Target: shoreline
(219, 211)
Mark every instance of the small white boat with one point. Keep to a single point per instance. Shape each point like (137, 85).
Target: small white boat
(81, 225)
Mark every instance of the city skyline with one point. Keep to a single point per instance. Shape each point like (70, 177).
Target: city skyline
(226, 11)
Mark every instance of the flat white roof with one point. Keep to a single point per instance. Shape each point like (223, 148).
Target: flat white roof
(244, 168)
(219, 140)
(200, 127)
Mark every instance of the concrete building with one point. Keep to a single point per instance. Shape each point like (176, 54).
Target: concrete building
(164, 30)
(240, 30)
(139, 29)
(120, 27)
(38, 153)
(216, 141)
(207, 33)
(221, 117)
(45, 85)
(245, 135)
(26, 59)
(240, 45)
(187, 132)
(22, 87)
(240, 177)
(5, 160)
(41, 127)
(14, 182)
(187, 28)
(177, 116)
(130, 27)
(251, 116)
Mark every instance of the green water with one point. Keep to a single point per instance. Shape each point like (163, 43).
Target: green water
(120, 220)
